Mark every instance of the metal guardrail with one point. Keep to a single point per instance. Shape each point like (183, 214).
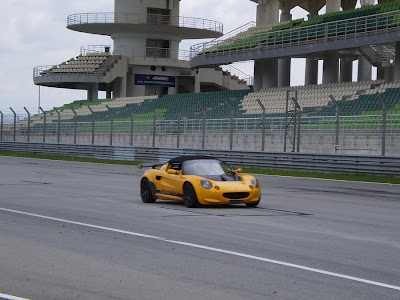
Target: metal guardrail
(300, 36)
(350, 164)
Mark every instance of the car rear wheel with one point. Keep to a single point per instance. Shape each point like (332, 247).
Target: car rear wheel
(189, 196)
(253, 204)
(145, 191)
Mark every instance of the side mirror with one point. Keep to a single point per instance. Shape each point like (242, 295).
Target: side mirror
(172, 172)
(240, 170)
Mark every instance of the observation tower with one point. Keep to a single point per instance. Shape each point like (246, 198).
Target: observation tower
(145, 58)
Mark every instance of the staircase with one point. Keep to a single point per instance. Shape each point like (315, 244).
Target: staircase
(379, 55)
(224, 78)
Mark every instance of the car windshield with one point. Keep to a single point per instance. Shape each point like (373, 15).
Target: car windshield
(205, 167)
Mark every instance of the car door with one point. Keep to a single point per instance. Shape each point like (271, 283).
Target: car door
(169, 185)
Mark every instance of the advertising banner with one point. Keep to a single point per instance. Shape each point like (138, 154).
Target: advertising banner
(155, 80)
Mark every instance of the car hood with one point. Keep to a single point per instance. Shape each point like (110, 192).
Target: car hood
(224, 177)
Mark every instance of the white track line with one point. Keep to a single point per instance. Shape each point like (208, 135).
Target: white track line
(9, 297)
(272, 261)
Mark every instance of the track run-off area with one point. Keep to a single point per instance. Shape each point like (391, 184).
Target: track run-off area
(72, 230)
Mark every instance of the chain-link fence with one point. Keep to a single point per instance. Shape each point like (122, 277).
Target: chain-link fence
(360, 135)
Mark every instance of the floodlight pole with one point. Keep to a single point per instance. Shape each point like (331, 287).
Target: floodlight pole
(75, 123)
(337, 119)
(263, 125)
(132, 115)
(93, 123)
(15, 124)
(384, 116)
(29, 124)
(154, 123)
(179, 125)
(44, 124)
(112, 124)
(58, 124)
(203, 138)
(231, 126)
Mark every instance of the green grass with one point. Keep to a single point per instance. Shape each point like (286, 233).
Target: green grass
(349, 177)
(69, 158)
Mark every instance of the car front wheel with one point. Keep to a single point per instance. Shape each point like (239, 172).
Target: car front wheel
(145, 191)
(189, 196)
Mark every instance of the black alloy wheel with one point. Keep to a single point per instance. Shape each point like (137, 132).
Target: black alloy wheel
(189, 196)
(145, 191)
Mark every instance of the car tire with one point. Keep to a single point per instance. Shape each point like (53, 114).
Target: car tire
(145, 191)
(189, 196)
(253, 204)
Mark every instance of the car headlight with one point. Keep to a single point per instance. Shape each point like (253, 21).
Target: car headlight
(255, 183)
(206, 184)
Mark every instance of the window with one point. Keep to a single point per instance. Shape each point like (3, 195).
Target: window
(158, 16)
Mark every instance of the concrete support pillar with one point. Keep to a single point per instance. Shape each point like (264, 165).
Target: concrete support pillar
(261, 14)
(258, 75)
(380, 73)
(364, 69)
(331, 68)
(331, 60)
(364, 66)
(108, 91)
(197, 83)
(346, 69)
(272, 11)
(264, 77)
(270, 72)
(311, 71)
(93, 91)
(172, 90)
(397, 62)
(284, 65)
(389, 74)
(333, 5)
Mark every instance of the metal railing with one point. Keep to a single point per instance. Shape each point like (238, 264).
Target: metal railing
(155, 52)
(239, 74)
(371, 165)
(95, 49)
(121, 18)
(300, 36)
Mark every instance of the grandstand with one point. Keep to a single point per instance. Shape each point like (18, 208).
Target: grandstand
(208, 87)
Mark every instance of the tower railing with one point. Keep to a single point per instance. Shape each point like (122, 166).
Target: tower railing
(122, 18)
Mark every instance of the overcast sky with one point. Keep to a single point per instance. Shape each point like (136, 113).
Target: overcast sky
(34, 34)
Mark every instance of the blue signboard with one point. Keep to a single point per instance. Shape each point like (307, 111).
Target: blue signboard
(155, 80)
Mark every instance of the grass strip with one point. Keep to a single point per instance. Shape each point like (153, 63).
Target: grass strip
(69, 158)
(310, 174)
(335, 176)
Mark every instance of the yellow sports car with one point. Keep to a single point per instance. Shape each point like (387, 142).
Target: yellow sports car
(197, 180)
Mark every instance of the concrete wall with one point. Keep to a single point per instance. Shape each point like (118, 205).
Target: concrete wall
(323, 143)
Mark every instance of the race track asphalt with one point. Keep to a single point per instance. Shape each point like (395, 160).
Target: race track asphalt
(72, 230)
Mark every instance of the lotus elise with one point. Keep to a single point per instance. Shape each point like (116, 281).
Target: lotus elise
(198, 180)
